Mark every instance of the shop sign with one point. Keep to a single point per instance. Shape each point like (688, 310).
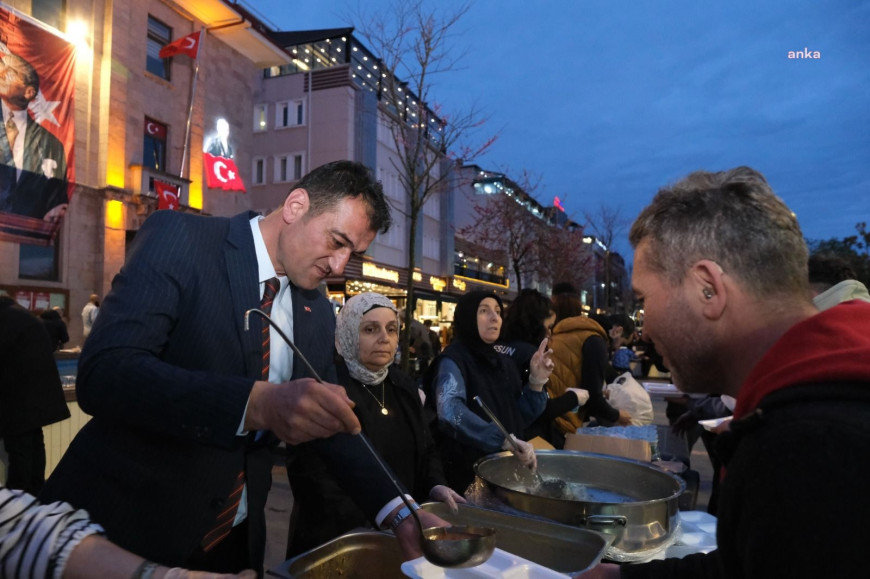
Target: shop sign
(437, 283)
(417, 276)
(371, 270)
(459, 284)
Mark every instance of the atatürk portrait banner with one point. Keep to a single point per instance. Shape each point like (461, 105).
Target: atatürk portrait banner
(37, 169)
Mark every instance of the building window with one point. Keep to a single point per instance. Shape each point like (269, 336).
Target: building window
(49, 11)
(432, 207)
(260, 118)
(159, 35)
(289, 114)
(154, 148)
(39, 262)
(288, 168)
(259, 171)
(431, 247)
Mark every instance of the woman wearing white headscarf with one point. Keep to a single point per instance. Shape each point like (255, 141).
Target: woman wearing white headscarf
(391, 414)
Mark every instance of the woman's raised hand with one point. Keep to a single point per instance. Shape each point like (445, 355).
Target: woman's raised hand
(541, 366)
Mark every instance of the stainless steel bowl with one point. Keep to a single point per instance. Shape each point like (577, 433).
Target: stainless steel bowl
(632, 501)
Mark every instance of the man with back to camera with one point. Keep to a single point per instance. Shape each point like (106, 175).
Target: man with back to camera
(31, 395)
(174, 463)
(721, 267)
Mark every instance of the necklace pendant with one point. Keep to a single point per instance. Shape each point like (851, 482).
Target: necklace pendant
(384, 411)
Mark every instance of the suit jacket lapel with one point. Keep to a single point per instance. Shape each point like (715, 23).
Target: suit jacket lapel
(301, 331)
(241, 259)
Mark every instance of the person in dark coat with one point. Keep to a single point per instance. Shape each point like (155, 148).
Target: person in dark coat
(56, 328)
(529, 320)
(387, 403)
(31, 395)
(470, 366)
(185, 406)
(720, 263)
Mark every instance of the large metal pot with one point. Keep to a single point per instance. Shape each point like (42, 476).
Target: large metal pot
(631, 500)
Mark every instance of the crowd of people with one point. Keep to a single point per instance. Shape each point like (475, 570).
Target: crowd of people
(189, 394)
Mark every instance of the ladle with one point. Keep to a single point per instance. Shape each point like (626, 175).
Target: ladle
(552, 488)
(454, 546)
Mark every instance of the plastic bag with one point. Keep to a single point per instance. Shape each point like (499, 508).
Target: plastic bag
(626, 393)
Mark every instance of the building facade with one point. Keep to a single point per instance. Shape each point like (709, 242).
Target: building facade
(141, 123)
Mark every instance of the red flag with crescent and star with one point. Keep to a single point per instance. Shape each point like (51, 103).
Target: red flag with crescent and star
(167, 195)
(188, 45)
(221, 173)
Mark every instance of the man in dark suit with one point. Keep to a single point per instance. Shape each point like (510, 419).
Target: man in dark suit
(32, 160)
(31, 395)
(175, 384)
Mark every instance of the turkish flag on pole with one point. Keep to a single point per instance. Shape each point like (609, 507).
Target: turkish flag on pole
(222, 173)
(167, 195)
(188, 45)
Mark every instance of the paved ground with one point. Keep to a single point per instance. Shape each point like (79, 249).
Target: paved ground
(280, 500)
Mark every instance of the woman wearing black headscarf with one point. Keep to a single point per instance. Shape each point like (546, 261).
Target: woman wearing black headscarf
(469, 367)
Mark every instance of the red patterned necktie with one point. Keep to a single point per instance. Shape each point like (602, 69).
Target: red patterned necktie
(227, 517)
(269, 293)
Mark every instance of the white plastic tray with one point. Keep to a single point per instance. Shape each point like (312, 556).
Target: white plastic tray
(501, 564)
(661, 388)
(698, 534)
(712, 423)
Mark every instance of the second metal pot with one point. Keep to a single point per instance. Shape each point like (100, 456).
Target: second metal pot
(633, 501)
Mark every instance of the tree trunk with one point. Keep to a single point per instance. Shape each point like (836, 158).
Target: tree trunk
(409, 302)
(607, 281)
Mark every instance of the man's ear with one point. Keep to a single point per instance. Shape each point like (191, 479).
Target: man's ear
(295, 205)
(707, 288)
(30, 93)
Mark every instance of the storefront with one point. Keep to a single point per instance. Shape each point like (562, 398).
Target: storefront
(432, 299)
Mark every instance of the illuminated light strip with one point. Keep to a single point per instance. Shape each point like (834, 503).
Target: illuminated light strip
(372, 270)
(480, 281)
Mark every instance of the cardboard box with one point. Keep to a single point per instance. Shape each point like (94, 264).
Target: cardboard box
(539, 443)
(624, 447)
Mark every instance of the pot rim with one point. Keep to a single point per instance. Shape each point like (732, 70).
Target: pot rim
(681, 484)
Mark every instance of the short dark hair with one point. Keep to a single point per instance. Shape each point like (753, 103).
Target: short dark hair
(733, 218)
(828, 269)
(565, 287)
(623, 321)
(524, 320)
(328, 184)
(567, 305)
(602, 320)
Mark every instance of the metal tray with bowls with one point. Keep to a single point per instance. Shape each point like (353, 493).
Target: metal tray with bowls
(365, 553)
(559, 547)
(355, 555)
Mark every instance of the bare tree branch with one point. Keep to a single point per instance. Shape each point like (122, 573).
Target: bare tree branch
(415, 45)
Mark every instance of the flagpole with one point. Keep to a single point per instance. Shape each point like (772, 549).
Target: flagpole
(190, 108)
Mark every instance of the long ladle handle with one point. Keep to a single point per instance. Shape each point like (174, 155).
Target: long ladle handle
(362, 436)
(498, 423)
(392, 478)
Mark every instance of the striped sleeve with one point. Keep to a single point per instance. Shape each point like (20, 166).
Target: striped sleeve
(36, 540)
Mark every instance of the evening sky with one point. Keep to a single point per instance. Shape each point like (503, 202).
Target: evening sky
(607, 100)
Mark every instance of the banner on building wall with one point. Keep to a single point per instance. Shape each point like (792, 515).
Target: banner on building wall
(37, 169)
(222, 173)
